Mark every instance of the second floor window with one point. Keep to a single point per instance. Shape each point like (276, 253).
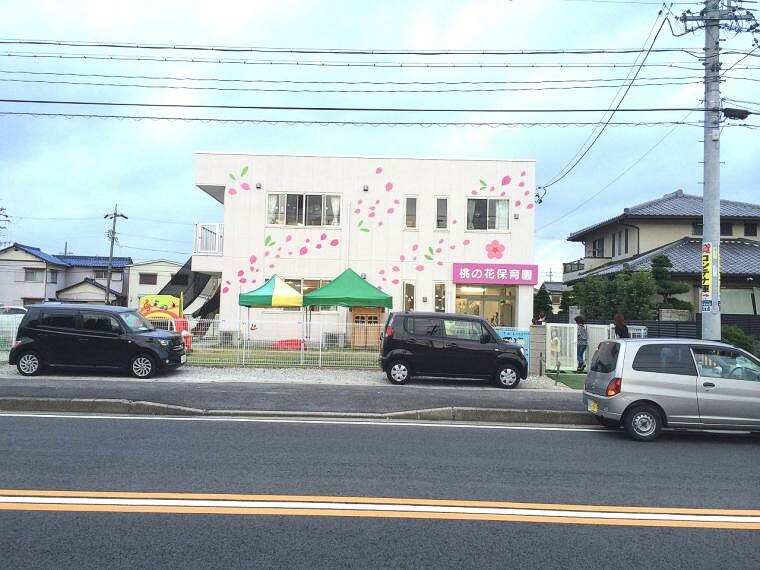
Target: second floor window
(303, 209)
(34, 275)
(441, 214)
(53, 276)
(148, 278)
(487, 214)
(411, 213)
(750, 230)
(597, 248)
(726, 228)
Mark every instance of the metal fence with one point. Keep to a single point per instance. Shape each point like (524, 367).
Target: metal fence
(562, 342)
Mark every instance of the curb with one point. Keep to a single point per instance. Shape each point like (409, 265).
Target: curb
(449, 414)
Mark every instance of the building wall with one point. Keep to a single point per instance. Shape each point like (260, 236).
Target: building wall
(163, 270)
(74, 275)
(371, 238)
(13, 288)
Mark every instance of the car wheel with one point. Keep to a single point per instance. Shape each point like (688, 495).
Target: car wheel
(607, 422)
(398, 372)
(142, 366)
(29, 364)
(507, 376)
(643, 423)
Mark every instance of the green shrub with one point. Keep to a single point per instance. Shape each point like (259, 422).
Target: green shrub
(736, 336)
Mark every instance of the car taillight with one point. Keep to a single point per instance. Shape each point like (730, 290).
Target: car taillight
(613, 388)
(16, 343)
(388, 332)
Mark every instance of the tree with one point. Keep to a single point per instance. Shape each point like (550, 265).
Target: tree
(666, 287)
(566, 301)
(628, 293)
(542, 301)
(592, 296)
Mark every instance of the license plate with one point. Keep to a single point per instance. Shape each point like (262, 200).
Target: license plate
(593, 407)
(183, 359)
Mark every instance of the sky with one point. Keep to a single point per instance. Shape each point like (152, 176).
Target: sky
(59, 176)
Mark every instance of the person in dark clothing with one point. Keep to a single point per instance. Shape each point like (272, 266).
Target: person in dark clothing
(621, 330)
(582, 342)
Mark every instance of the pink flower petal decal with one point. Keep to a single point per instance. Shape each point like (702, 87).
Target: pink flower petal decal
(521, 184)
(395, 281)
(252, 268)
(277, 256)
(226, 290)
(308, 240)
(334, 242)
(452, 247)
(318, 246)
(288, 237)
(371, 208)
(415, 247)
(389, 187)
(491, 189)
(503, 193)
(266, 254)
(360, 202)
(252, 259)
(440, 240)
(241, 273)
(271, 266)
(466, 242)
(517, 204)
(391, 210)
(243, 280)
(414, 258)
(401, 258)
(378, 170)
(358, 211)
(420, 268)
(303, 251)
(323, 237)
(385, 279)
(395, 268)
(377, 202)
(290, 253)
(438, 250)
(279, 248)
(380, 223)
(232, 191)
(526, 192)
(397, 202)
(228, 283)
(245, 186)
(522, 173)
(495, 249)
(382, 272)
(440, 263)
(530, 206)
(371, 215)
(453, 221)
(474, 192)
(506, 180)
(257, 270)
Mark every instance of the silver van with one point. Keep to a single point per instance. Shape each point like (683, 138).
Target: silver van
(647, 384)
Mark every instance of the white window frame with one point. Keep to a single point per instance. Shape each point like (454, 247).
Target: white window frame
(416, 226)
(103, 271)
(488, 201)
(446, 227)
(322, 283)
(52, 276)
(414, 295)
(282, 202)
(445, 296)
(116, 275)
(35, 270)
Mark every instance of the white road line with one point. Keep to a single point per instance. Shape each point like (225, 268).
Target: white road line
(375, 507)
(356, 422)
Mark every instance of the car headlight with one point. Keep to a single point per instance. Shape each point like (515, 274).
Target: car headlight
(163, 342)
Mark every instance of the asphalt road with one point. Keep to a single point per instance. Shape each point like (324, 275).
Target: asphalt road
(522, 464)
(296, 397)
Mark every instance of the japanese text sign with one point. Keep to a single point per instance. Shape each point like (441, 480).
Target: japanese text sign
(495, 273)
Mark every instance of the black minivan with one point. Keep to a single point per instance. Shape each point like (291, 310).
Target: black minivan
(448, 345)
(93, 336)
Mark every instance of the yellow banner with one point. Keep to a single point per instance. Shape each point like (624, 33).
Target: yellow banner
(707, 271)
(160, 307)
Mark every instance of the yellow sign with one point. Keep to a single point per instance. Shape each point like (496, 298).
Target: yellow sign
(160, 307)
(706, 271)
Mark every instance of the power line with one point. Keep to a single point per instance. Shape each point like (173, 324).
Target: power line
(372, 91)
(612, 114)
(342, 109)
(300, 122)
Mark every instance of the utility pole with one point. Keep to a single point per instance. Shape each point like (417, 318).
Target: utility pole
(714, 12)
(112, 234)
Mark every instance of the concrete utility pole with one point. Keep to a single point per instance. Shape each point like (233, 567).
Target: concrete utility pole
(112, 234)
(711, 18)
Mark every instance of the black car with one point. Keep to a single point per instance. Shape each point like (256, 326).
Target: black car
(449, 345)
(93, 336)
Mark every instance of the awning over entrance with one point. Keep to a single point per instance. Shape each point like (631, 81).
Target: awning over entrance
(273, 293)
(348, 290)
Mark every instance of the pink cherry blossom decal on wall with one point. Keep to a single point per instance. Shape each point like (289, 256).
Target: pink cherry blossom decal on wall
(453, 221)
(389, 187)
(517, 204)
(396, 268)
(401, 257)
(506, 180)
(439, 262)
(245, 186)
(318, 246)
(241, 273)
(271, 266)
(323, 237)
(530, 206)
(303, 251)
(252, 259)
(391, 210)
(420, 268)
(226, 290)
(395, 281)
(371, 215)
(242, 279)
(334, 242)
(288, 237)
(522, 173)
(521, 184)
(379, 170)
(466, 242)
(232, 191)
(495, 249)
(526, 192)
(415, 247)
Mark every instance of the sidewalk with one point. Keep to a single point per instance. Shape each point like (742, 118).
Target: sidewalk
(279, 391)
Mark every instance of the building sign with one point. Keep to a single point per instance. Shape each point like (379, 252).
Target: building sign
(160, 307)
(707, 295)
(495, 273)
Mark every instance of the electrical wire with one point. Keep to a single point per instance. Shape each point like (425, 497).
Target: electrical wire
(302, 122)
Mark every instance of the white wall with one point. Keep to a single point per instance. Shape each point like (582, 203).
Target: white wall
(377, 252)
(163, 270)
(13, 288)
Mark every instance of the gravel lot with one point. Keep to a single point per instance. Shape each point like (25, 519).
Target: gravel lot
(200, 374)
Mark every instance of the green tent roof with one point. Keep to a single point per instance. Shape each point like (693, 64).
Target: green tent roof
(348, 290)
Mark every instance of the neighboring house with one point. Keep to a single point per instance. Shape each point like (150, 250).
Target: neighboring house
(29, 275)
(554, 288)
(672, 225)
(148, 278)
(436, 234)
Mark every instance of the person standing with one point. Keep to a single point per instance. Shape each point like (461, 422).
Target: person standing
(621, 330)
(582, 342)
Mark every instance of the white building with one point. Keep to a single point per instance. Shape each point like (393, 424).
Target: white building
(148, 278)
(436, 234)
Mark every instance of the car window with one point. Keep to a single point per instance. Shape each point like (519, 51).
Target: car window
(60, 320)
(725, 363)
(465, 330)
(665, 359)
(94, 322)
(136, 322)
(605, 358)
(424, 326)
(6, 310)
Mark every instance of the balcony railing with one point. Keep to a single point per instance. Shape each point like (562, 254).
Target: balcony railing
(209, 239)
(572, 267)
